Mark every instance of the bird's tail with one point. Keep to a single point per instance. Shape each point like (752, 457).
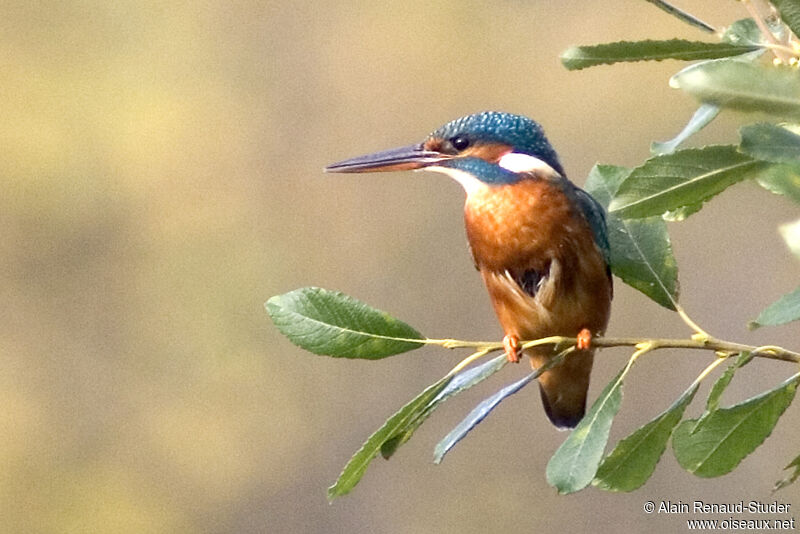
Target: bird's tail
(564, 387)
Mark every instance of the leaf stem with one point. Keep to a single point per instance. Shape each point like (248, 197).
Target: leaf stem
(713, 365)
(689, 322)
(641, 348)
(789, 50)
(468, 360)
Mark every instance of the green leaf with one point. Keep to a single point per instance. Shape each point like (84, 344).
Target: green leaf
(769, 142)
(334, 324)
(701, 118)
(641, 253)
(784, 310)
(684, 178)
(793, 476)
(580, 57)
(744, 86)
(460, 382)
(575, 463)
(682, 213)
(357, 465)
(603, 182)
(730, 434)
(791, 234)
(634, 458)
(719, 387)
(477, 415)
(790, 13)
(743, 32)
(781, 180)
(469, 378)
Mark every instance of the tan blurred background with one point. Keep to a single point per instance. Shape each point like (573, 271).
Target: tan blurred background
(163, 178)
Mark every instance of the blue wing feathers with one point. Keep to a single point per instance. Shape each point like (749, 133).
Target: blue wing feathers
(596, 217)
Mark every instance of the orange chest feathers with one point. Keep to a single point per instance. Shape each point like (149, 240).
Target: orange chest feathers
(524, 225)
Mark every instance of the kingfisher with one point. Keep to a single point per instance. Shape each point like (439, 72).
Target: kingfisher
(539, 242)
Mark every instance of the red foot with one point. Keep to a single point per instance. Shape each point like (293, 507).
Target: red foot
(584, 341)
(511, 344)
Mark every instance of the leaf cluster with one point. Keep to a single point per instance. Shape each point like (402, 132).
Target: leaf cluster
(733, 73)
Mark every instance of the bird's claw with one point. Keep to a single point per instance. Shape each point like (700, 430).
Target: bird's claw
(511, 344)
(584, 340)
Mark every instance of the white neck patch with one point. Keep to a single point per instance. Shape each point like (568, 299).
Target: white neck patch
(517, 162)
(467, 181)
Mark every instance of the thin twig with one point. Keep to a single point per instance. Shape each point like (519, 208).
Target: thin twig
(705, 343)
(777, 49)
(717, 345)
(683, 15)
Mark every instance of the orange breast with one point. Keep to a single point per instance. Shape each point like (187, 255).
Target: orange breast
(533, 225)
(510, 225)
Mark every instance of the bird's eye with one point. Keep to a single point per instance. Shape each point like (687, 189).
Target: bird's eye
(459, 142)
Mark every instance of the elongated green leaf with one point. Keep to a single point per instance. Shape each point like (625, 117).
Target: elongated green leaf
(742, 85)
(790, 13)
(793, 476)
(634, 458)
(784, 310)
(730, 434)
(782, 180)
(470, 377)
(575, 463)
(580, 57)
(684, 178)
(641, 252)
(358, 464)
(719, 387)
(701, 118)
(460, 382)
(477, 415)
(333, 324)
(769, 142)
(791, 234)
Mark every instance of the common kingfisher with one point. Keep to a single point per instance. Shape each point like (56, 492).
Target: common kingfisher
(539, 242)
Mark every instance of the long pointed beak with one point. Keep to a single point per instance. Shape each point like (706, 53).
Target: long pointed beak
(395, 159)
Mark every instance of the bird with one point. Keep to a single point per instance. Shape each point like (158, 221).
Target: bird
(539, 242)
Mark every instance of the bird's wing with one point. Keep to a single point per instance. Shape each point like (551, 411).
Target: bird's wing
(595, 215)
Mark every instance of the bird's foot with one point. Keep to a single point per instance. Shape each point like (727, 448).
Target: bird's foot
(511, 344)
(584, 340)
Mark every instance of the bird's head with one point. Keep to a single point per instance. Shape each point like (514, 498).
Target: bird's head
(484, 149)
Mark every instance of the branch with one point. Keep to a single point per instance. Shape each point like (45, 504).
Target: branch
(782, 53)
(697, 343)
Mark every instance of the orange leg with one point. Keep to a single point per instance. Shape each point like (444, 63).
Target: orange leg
(511, 344)
(584, 341)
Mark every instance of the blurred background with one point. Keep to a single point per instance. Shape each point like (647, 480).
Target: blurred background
(163, 170)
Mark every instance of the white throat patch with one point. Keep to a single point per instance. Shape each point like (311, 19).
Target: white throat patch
(517, 162)
(467, 181)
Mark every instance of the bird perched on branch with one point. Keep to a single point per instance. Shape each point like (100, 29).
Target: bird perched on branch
(538, 240)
